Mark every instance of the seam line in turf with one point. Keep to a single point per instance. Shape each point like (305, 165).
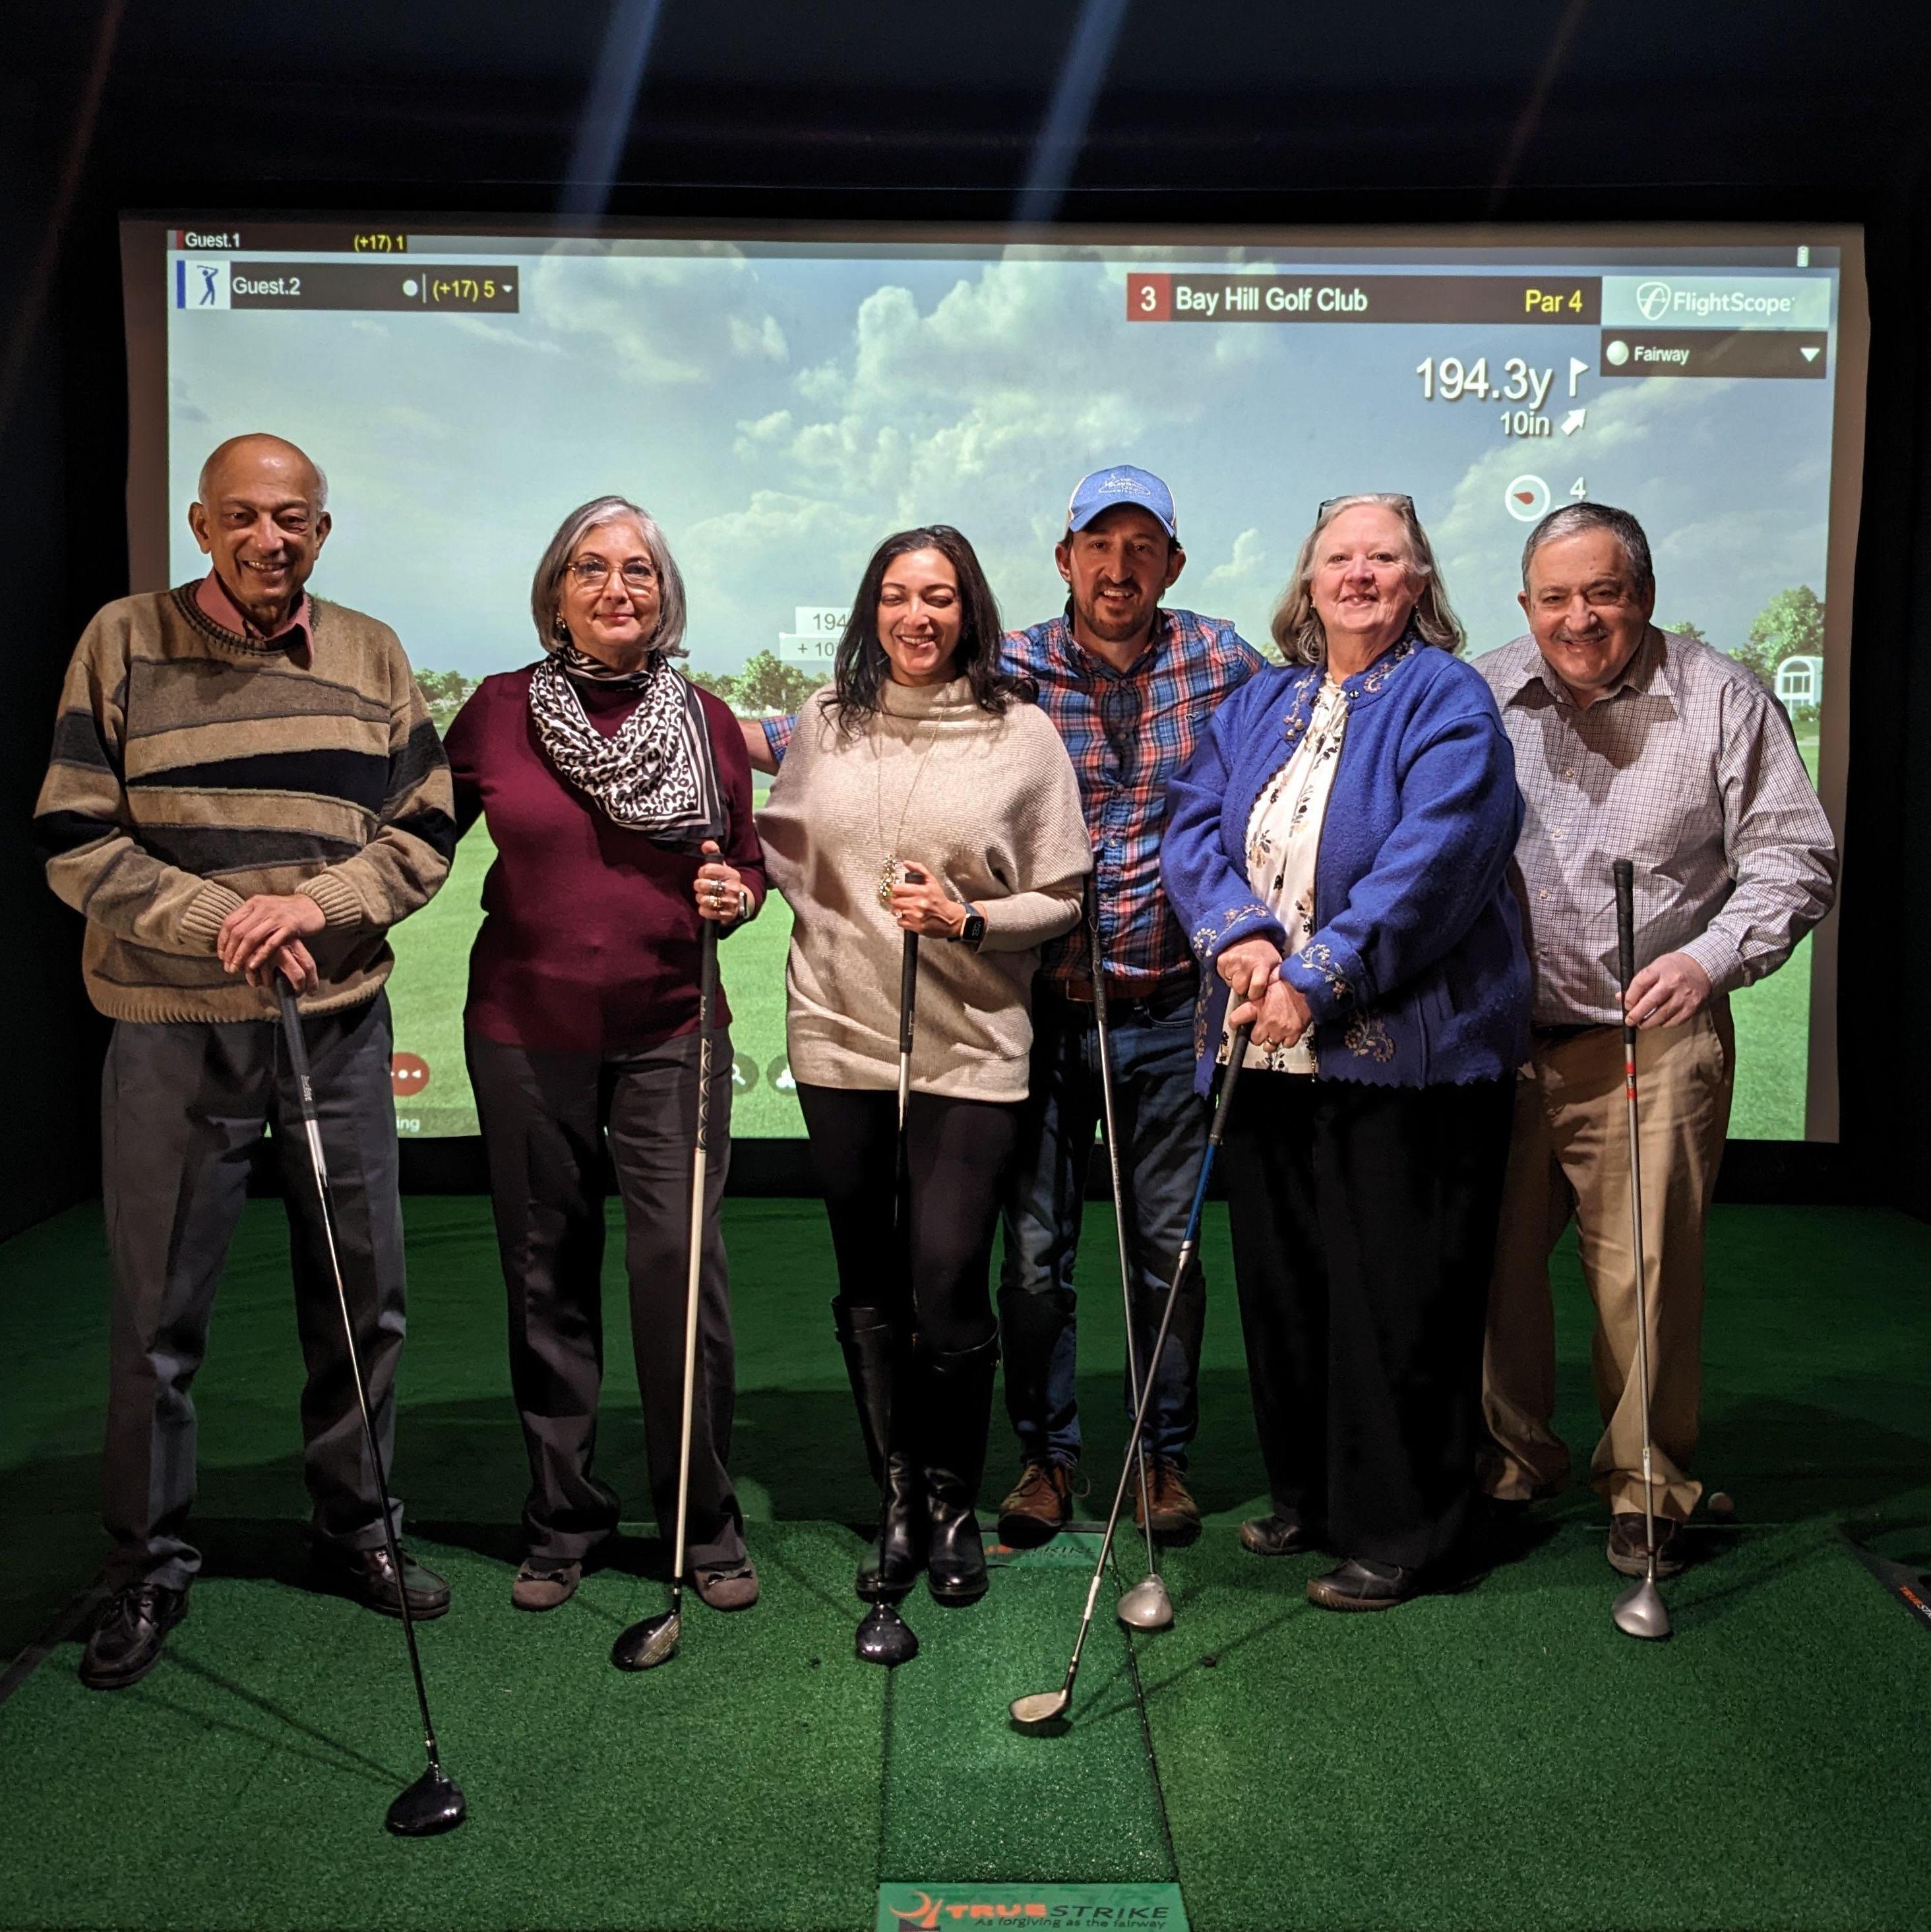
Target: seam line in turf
(1152, 1756)
(36, 1653)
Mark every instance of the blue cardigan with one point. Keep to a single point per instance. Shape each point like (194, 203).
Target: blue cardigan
(1415, 972)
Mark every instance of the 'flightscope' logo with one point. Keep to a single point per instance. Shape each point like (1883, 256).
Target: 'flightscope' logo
(1653, 297)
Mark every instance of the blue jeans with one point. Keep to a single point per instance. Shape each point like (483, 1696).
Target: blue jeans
(1162, 1128)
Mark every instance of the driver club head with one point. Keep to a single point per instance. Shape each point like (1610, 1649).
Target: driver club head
(1146, 1606)
(646, 1644)
(884, 1637)
(434, 1803)
(1042, 1711)
(1639, 1611)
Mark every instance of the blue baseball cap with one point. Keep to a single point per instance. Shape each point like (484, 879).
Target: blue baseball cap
(1121, 484)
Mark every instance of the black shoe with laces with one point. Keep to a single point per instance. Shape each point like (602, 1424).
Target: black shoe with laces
(127, 1638)
(367, 1576)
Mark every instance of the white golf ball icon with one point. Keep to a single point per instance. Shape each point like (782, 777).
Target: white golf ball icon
(1617, 353)
(1528, 498)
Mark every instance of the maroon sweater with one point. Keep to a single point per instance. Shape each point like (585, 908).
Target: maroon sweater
(590, 933)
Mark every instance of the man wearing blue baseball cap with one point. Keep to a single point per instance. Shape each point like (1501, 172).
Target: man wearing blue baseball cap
(1130, 686)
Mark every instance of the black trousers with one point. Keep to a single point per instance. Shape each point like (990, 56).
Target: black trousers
(182, 1104)
(546, 1118)
(1364, 1222)
(936, 1273)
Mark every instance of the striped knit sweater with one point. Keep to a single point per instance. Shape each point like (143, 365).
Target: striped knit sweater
(193, 768)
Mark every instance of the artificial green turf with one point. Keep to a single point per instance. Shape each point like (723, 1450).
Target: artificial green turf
(1499, 1757)
(969, 1797)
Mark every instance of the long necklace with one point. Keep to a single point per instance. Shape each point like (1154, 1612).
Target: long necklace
(892, 868)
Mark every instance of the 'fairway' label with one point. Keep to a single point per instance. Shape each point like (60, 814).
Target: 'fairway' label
(932, 1907)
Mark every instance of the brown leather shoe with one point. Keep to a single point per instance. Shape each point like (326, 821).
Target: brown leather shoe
(1039, 1508)
(1629, 1554)
(1176, 1516)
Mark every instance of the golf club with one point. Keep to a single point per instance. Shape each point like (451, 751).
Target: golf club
(884, 1636)
(1146, 1606)
(434, 1802)
(1045, 1708)
(654, 1640)
(1639, 1611)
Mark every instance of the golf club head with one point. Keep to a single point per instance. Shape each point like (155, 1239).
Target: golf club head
(645, 1645)
(434, 1803)
(1146, 1606)
(1639, 1611)
(884, 1637)
(1042, 1710)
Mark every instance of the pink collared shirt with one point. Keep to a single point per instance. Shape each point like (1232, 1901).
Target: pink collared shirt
(214, 601)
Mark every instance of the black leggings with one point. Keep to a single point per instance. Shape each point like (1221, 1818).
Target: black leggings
(937, 1273)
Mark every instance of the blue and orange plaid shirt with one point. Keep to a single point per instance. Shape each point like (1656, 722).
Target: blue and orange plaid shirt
(1128, 733)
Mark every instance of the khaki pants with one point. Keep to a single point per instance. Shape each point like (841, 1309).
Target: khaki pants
(1569, 1156)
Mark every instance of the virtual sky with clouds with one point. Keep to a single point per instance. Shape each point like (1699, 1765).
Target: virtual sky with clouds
(779, 412)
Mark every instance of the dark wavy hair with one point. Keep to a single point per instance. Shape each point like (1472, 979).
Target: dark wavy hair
(861, 669)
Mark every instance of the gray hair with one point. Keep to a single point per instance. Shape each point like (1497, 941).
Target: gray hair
(668, 639)
(1297, 626)
(1572, 519)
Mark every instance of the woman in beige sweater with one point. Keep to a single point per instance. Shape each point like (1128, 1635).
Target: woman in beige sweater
(922, 792)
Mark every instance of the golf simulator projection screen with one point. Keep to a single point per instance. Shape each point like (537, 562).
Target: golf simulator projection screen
(780, 398)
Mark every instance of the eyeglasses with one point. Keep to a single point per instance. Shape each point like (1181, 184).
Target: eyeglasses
(1365, 497)
(592, 573)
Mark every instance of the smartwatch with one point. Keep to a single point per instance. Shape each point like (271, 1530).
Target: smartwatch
(973, 930)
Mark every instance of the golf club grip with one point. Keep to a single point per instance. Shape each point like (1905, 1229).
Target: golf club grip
(907, 990)
(1236, 1058)
(706, 1024)
(298, 1046)
(1624, 874)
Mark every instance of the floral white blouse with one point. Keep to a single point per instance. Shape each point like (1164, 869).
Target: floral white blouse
(1284, 839)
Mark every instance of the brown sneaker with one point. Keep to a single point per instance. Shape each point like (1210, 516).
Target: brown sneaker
(1039, 1506)
(542, 1583)
(1176, 1516)
(727, 1586)
(1629, 1554)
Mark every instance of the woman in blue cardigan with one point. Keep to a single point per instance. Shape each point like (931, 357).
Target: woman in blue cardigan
(1337, 848)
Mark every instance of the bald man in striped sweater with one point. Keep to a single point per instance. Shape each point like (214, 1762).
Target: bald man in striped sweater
(245, 783)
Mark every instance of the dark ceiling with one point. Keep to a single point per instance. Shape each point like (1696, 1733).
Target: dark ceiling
(1467, 110)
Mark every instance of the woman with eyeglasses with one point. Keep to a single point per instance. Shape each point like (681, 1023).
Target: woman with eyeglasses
(618, 797)
(1338, 847)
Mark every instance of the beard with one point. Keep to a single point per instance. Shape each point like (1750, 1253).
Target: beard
(1115, 630)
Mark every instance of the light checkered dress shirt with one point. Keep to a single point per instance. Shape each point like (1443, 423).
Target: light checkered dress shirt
(1688, 768)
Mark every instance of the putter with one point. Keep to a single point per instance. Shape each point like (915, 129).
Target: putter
(434, 1802)
(1640, 1610)
(1045, 1708)
(1146, 1606)
(883, 1636)
(654, 1641)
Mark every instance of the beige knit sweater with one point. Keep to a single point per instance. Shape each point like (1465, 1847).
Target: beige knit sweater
(988, 805)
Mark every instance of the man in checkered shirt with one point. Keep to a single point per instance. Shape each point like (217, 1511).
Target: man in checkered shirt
(1130, 686)
(1631, 743)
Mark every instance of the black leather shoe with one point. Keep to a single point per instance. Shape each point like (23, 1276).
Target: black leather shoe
(1358, 1585)
(366, 1577)
(955, 1409)
(127, 1638)
(876, 1359)
(1274, 1535)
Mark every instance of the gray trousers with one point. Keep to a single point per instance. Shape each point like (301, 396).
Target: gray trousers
(545, 1117)
(181, 1104)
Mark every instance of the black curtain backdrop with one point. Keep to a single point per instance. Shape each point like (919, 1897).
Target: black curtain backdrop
(1637, 110)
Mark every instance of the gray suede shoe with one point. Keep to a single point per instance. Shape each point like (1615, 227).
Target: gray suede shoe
(542, 1583)
(732, 1586)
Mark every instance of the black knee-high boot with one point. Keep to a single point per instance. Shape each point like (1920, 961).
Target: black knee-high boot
(876, 1360)
(955, 1405)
